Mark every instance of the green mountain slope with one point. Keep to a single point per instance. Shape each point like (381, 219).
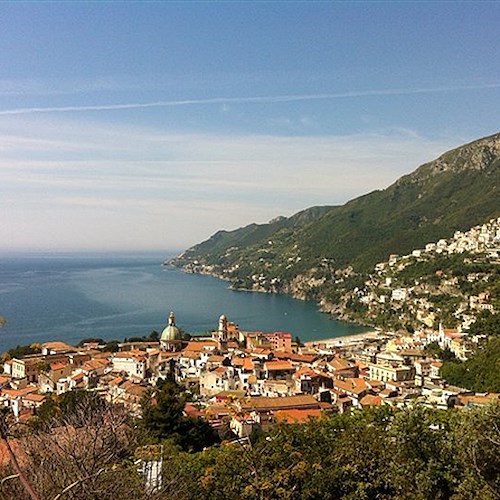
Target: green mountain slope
(454, 192)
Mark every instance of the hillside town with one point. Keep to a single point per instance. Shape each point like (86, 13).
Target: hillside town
(449, 281)
(247, 380)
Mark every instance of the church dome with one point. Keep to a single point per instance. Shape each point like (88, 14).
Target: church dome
(171, 332)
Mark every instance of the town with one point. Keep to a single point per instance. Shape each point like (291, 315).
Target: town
(246, 380)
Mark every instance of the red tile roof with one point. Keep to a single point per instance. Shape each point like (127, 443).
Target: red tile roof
(294, 415)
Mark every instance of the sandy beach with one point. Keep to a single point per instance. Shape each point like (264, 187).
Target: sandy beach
(347, 339)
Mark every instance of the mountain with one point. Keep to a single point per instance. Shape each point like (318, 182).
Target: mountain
(304, 253)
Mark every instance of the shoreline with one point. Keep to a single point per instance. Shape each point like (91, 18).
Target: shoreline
(342, 341)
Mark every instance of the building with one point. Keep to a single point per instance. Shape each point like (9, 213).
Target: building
(133, 363)
(221, 335)
(171, 337)
(276, 341)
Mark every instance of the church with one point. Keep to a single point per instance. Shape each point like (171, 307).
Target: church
(171, 337)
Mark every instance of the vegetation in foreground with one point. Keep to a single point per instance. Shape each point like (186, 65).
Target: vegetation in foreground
(83, 448)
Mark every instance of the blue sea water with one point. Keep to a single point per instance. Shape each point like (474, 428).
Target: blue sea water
(72, 296)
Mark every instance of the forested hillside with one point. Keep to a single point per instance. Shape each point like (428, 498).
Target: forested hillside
(454, 192)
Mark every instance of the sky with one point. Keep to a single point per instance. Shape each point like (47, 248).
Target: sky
(151, 125)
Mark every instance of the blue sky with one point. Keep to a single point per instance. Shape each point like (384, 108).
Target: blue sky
(151, 125)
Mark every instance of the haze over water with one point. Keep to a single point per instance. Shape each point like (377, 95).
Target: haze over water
(112, 296)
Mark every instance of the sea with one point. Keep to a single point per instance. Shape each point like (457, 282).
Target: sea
(72, 296)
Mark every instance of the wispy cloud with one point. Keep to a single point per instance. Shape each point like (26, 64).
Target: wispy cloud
(246, 99)
(77, 183)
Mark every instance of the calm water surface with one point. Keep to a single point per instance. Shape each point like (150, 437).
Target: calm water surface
(112, 296)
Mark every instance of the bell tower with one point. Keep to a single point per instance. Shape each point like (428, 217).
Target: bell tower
(222, 335)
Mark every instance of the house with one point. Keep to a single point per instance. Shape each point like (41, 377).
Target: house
(278, 369)
(355, 388)
(297, 415)
(133, 363)
(394, 373)
(56, 347)
(217, 380)
(310, 381)
(276, 341)
(47, 380)
(262, 404)
(27, 367)
(341, 367)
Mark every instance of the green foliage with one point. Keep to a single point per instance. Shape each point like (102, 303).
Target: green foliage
(381, 453)
(427, 205)
(479, 373)
(423, 463)
(434, 351)
(163, 418)
(112, 346)
(79, 407)
(476, 439)
(406, 454)
(24, 350)
(486, 323)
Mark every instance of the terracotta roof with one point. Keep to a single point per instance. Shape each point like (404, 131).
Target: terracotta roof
(14, 393)
(261, 403)
(261, 350)
(57, 345)
(293, 356)
(58, 365)
(411, 352)
(191, 410)
(214, 358)
(305, 371)
(132, 389)
(116, 381)
(352, 385)
(94, 364)
(294, 415)
(237, 361)
(340, 364)
(370, 400)
(137, 355)
(374, 383)
(278, 365)
(102, 355)
(35, 397)
(248, 364)
(190, 354)
(201, 345)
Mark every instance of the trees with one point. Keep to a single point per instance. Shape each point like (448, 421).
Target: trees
(85, 451)
(82, 449)
(477, 447)
(479, 373)
(163, 418)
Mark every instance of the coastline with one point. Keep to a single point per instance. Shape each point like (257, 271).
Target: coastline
(346, 340)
